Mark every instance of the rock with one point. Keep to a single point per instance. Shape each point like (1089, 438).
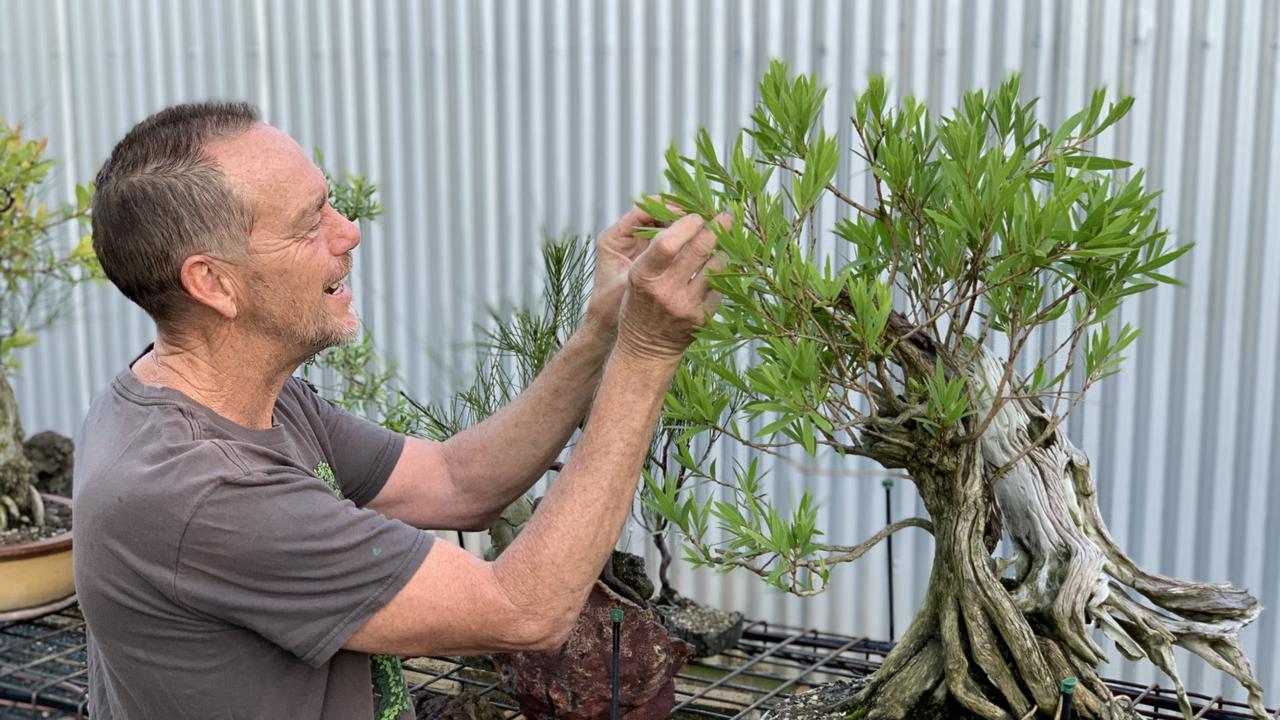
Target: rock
(504, 530)
(629, 570)
(466, 705)
(574, 682)
(51, 456)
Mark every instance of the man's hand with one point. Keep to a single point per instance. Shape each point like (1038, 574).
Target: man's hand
(667, 296)
(616, 249)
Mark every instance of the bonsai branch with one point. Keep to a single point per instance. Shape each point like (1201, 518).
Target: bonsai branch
(850, 553)
(764, 562)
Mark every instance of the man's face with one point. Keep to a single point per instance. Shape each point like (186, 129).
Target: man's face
(299, 248)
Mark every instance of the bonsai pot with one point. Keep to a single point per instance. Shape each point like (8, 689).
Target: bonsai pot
(35, 577)
(709, 630)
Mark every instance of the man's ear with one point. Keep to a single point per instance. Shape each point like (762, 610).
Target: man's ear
(211, 283)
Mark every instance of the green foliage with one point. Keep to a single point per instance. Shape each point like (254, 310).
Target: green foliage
(354, 376)
(983, 222)
(946, 400)
(520, 342)
(353, 196)
(36, 269)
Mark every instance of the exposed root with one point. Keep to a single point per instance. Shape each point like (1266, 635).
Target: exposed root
(1070, 573)
(960, 684)
(13, 512)
(8, 509)
(37, 506)
(996, 647)
(917, 679)
(18, 498)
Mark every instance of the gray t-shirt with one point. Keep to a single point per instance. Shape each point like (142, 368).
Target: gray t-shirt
(218, 573)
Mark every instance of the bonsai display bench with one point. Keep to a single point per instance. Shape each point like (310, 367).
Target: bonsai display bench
(43, 674)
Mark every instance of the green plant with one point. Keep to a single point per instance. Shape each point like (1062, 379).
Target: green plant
(982, 228)
(36, 272)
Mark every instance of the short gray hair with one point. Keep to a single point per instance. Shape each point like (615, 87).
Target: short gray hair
(160, 199)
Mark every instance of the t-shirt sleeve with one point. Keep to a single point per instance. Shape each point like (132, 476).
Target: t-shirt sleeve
(363, 453)
(282, 556)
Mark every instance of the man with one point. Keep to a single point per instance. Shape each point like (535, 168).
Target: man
(242, 547)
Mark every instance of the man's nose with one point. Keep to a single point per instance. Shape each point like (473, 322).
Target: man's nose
(348, 236)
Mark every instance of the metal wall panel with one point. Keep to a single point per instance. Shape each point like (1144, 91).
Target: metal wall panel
(490, 123)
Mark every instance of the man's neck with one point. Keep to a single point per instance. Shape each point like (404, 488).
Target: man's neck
(230, 378)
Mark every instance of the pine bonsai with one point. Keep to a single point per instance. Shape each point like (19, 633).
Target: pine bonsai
(981, 230)
(35, 275)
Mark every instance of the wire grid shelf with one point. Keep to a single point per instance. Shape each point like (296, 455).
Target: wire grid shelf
(43, 674)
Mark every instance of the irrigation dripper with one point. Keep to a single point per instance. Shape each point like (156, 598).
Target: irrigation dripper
(616, 615)
(1068, 688)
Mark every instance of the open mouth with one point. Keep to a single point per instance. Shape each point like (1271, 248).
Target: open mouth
(334, 289)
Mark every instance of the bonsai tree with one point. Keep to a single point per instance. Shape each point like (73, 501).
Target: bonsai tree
(982, 229)
(35, 276)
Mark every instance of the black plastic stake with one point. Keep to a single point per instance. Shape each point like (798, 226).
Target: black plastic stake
(616, 614)
(1068, 688)
(888, 520)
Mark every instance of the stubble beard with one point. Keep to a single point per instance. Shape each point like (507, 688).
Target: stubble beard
(308, 330)
(323, 331)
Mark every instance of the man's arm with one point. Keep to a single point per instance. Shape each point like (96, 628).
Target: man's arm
(465, 482)
(531, 595)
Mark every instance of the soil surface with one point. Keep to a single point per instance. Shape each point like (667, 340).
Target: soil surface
(709, 630)
(57, 519)
(819, 704)
(814, 704)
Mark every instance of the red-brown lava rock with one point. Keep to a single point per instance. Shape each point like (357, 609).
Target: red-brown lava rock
(574, 682)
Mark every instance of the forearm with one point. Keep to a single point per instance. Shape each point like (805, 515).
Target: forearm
(553, 562)
(495, 461)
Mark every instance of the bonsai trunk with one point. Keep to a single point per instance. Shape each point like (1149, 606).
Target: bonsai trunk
(18, 497)
(994, 638)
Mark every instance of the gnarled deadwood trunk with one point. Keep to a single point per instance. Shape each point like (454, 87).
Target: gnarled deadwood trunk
(994, 637)
(18, 497)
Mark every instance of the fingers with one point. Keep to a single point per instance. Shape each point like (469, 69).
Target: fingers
(710, 303)
(667, 245)
(701, 279)
(684, 248)
(622, 237)
(695, 253)
(634, 219)
(668, 295)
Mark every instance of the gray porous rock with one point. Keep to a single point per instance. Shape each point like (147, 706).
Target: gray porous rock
(51, 456)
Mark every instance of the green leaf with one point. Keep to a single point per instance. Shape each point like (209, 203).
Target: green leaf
(1093, 162)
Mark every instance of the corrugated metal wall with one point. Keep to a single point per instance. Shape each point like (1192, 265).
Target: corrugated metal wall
(490, 123)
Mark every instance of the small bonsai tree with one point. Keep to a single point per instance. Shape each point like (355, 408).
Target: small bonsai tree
(35, 276)
(981, 229)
